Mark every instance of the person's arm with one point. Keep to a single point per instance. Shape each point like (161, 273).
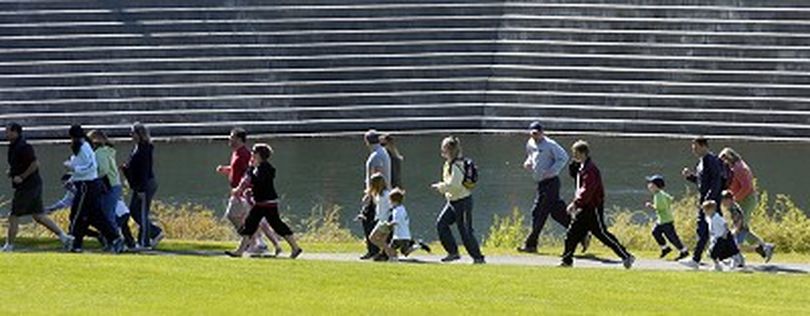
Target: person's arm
(83, 162)
(587, 191)
(66, 201)
(28, 171)
(710, 178)
(560, 159)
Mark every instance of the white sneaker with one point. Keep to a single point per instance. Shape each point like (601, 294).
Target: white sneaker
(718, 266)
(155, 241)
(67, 241)
(8, 248)
(738, 261)
(691, 264)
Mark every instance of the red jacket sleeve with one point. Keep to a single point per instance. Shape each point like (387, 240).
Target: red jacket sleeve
(589, 192)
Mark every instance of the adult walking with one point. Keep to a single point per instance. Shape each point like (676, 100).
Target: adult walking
(141, 178)
(87, 207)
(387, 141)
(238, 207)
(588, 210)
(27, 184)
(545, 158)
(459, 206)
(108, 174)
(378, 161)
(744, 193)
(708, 175)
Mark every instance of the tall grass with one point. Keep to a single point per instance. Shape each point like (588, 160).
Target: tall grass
(780, 222)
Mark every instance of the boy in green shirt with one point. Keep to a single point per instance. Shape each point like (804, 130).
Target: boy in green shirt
(662, 204)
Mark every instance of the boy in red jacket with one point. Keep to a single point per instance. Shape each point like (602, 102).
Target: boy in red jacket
(588, 209)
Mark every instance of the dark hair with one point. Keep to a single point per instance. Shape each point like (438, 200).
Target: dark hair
(264, 150)
(14, 127)
(240, 133)
(702, 141)
(77, 136)
(372, 137)
(142, 132)
(396, 195)
(659, 183)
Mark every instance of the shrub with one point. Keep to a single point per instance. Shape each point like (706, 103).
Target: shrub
(508, 231)
(323, 226)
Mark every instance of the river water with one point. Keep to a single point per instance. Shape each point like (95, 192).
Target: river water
(327, 171)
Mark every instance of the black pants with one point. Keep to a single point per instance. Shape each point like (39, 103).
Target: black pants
(460, 213)
(369, 212)
(123, 225)
(724, 248)
(86, 210)
(593, 221)
(547, 202)
(703, 232)
(139, 207)
(268, 212)
(667, 230)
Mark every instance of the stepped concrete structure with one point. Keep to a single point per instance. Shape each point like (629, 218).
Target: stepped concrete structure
(196, 68)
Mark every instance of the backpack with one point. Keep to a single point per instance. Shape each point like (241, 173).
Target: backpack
(470, 172)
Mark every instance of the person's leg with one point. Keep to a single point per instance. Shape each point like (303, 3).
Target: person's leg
(274, 220)
(703, 238)
(576, 231)
(368, 222)
(748, 205)
(658, 235)
(126, 233)
(270, 234)
(540, 212)
(154, 230)
(97, 216)
(465, 227)
(600, 231)
(248, 229)
(13, 228)
(446, 218)
(236, 211)
(109, 204)
(672, 236)
(46, 221)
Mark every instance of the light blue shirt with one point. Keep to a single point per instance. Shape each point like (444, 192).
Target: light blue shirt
(547, 158)
(379, 159)
(83, 164)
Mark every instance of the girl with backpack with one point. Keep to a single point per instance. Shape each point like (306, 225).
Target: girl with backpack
(458, 178)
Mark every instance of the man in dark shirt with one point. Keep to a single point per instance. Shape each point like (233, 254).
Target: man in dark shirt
(588, 210)
(24, 173)
(708, 176)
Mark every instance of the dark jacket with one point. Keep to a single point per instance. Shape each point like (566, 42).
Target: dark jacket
(261, 181)
(709, 178)
(590, 192)
(139, 170)
(20, 156)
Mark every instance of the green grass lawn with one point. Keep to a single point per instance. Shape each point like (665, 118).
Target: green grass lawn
(49, 282)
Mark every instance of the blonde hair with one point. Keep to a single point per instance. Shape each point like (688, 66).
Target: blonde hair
(96, 133)
(581, 146)
(376, 184)
(453, 145)
(730, 154)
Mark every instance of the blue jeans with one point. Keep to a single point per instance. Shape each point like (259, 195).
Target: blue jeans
(139, 209)
(460, 213)
(108, 203)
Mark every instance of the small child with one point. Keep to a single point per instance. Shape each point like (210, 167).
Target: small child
(662, 204)
(67, 199)
(721, 243)
(400, 223)
(741, 229)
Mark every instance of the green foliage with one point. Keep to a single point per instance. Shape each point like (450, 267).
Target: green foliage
(323, 226)
(508, 231)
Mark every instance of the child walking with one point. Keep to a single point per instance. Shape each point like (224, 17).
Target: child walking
(260, 190)
(664, 227)
(381, 233)
(721, 242)
(742, 231)
(400, 223)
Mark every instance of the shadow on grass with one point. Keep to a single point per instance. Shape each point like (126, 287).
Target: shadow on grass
(773, 268)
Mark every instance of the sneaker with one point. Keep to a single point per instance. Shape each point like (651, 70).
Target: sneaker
(769, 252)
(380, 257)
(278, 251)
(155, 241)
(8, 248)
(117, 245)
(682, 255)
(451, 258)
(586, 243)
(67, 241)
(760, 250)
(738, 261)
(691, 264)
(233, 254)
(76, 250)
(525, 249)
(479, 261)
(664, 252)
(368, 256)
(566, 265)
(628, 262)
(411, 249)
(718, 266)
(424, 246)
(295, 253)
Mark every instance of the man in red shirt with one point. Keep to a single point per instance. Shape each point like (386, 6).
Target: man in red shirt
(238, 207)
(588, 210)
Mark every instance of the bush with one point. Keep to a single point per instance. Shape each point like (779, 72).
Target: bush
(508, 231)
(323, 226)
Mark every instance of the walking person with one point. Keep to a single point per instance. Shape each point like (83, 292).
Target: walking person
(708, 175)
(459, 206)
(588, 210)
(378, 161)
(545, 158)
(27, 184)
(87, 208)
(108, 173)
(387, 141)
(380, 235)
(721, 242)
(141, 178)
(399, 224)
(665, 222)
(258, 186)
(741, 188)
(238, 207)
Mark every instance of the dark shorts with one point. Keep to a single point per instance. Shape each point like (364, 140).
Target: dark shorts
(27, 201)
(268, 212)
(402, 244)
